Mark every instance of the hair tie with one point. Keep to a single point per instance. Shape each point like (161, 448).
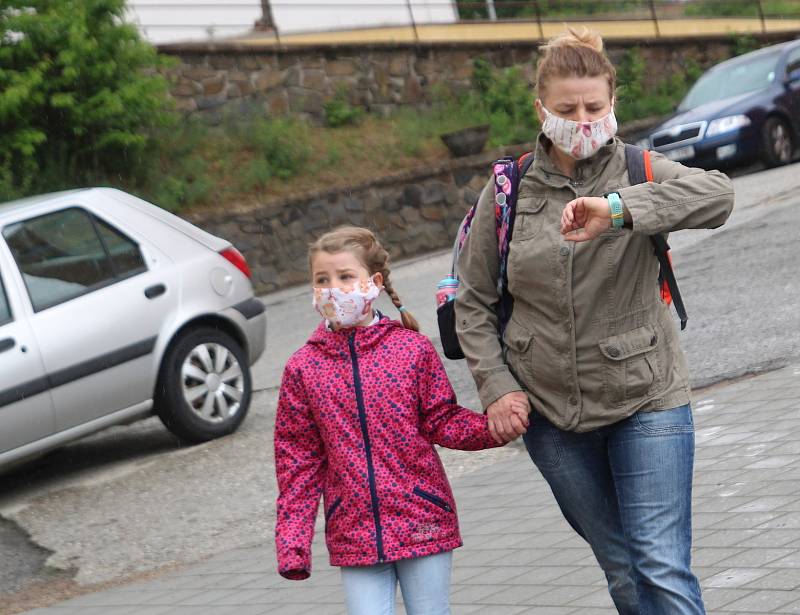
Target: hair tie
(401, 308)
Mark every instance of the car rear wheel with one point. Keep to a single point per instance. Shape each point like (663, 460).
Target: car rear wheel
(778, 142)
(205, 386)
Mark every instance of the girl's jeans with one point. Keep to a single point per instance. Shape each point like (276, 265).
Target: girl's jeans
(424, 581)
(627, 490)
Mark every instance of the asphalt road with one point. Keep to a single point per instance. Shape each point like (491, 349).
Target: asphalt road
(129, 500)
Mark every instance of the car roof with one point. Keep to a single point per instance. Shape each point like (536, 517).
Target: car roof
(746, 57)
(39, 199)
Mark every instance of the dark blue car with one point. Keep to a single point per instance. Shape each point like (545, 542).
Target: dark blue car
(741, 110)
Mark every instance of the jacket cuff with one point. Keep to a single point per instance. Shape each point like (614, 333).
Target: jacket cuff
(639, 203)
(496, 385)
(294, 565)
(295, 575)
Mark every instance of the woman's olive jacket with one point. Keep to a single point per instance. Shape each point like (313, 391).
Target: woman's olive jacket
(589, 340)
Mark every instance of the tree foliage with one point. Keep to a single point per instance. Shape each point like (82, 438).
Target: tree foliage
(79, 94)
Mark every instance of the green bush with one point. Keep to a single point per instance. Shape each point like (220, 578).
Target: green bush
(507, 102)
(281, 148)
(635, 102)
(79, 95)
(339, 112)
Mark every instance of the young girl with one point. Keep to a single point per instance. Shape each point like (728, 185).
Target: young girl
(361, 406)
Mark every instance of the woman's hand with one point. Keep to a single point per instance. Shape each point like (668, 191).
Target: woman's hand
(508, 416)
(585, 218)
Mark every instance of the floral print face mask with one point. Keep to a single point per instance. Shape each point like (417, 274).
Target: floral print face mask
(579, 139)
(346, 306)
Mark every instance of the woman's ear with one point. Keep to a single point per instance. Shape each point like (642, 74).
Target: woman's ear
(539, 110)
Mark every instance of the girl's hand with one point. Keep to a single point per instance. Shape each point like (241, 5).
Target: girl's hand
(585, 218)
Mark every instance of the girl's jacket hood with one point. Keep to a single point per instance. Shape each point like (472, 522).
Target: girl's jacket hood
(358, 414)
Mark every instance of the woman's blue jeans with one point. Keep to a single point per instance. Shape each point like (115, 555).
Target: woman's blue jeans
(424, 581)
(627, 490)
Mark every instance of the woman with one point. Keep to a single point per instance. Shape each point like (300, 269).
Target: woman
(590, 344)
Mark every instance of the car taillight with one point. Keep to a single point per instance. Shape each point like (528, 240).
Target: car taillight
(235, 257)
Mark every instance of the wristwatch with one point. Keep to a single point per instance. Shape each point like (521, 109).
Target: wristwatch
(615, 204)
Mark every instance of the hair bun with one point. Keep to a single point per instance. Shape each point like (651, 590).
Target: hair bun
(574, 38)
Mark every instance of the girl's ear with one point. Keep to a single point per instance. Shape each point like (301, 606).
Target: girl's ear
(377, 279)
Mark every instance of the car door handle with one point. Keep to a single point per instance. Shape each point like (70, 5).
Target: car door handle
(7, 344)
(151, 292)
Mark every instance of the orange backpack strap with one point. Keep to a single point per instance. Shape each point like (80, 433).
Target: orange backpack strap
(648, 166)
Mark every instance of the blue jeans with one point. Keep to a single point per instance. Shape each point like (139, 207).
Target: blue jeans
(424, 581)
(627, 490)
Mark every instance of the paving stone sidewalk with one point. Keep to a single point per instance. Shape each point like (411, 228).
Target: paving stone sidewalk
(521, 557)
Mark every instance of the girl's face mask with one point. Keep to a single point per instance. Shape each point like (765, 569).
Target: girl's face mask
(579, 139)
(346, 306)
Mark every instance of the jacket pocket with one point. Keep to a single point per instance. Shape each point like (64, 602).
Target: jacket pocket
(332, 509)
(518, 351)
(632, 364)
(529, 217)
(433, 499)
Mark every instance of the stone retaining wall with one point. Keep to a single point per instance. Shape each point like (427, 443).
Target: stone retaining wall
(413, 213)
(378, 78)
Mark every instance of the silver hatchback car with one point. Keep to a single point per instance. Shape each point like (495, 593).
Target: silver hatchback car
(112, 309)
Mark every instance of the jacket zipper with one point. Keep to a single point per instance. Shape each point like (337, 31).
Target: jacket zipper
(433, 499)
(362, 415)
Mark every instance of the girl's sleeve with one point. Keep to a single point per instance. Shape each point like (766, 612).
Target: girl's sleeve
(300, 464)
(443, 421)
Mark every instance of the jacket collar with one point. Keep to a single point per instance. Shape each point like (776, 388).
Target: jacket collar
(548, 173)
(364, 338)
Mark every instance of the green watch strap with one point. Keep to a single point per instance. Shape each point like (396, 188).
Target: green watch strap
(615, 204)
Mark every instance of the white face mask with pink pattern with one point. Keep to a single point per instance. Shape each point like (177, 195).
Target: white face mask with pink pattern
(579, 139)
(346, 306)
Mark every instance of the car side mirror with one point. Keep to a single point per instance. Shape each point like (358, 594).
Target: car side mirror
(792, 77)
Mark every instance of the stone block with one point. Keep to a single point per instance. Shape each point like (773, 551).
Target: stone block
(412, 91)
(199, 73)
(267, 79)
(211, 102)
(186, 105)
(411, 215)
(433, 192)
(251, 62)
(222, 62)
(429, 212)
(213, 86)
(277, 104)
(301, 99)
(341, 68)
(412, 195)
(398, 65)
(316, 80)
(185, 87)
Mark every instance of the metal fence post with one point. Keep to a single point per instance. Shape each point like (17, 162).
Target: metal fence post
(655, 18)
(413, 21)
(538, 11)
(761, 17)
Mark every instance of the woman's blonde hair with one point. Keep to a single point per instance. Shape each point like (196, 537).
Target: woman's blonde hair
(574, 54)
(365, 245)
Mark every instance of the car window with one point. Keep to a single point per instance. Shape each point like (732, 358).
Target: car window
(61, 255)
(5, 311)
(126, 258)
(732, 80)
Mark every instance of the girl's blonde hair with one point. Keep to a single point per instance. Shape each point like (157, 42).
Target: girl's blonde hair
(574, 54)
(365, 245)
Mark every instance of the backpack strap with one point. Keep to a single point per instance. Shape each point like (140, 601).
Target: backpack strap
(640, 170)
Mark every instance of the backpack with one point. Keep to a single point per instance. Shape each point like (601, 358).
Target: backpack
(507, 175)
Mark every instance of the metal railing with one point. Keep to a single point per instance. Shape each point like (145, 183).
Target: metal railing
(420, 14)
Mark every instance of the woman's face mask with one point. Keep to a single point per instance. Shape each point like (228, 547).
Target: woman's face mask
(579, 139)
(346, 306)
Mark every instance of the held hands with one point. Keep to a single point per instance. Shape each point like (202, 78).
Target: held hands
(508, 416)
(585, 218)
